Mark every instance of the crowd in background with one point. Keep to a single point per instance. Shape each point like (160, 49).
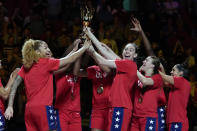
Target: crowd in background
(170, 26)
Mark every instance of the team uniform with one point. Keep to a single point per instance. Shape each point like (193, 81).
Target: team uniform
(100, 101)
(146, 99)
(2, 109)
(177, 105)
(120, 95)
(38, 80)
(67, 103)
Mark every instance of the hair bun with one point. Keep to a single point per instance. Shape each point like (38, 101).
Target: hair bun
(185, 65)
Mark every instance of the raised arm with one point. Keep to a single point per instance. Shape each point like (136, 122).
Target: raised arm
(104, 50)
(145, 81)
(138, 28)
(9, 111)
(70, 59)
(167, 78)
(104, 62)
(93, 55)
(75, 48)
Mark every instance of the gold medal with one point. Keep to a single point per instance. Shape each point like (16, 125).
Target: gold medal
(140, 99)
(100, 89)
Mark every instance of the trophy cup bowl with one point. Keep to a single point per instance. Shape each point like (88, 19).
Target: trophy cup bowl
(86, 15)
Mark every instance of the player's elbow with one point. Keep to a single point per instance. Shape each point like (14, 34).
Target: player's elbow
(4, 94)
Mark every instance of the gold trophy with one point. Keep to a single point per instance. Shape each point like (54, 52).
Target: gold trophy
(87, 15)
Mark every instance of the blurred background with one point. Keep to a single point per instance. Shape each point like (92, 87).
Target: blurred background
(170, 25)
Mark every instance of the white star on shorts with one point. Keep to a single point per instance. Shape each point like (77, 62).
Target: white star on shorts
(150, 128)
(117, 113)
(117, 119)
(161, 110)
(51, 111)
(116, 126)
(176, 126)
(151, 121)
(162, 121)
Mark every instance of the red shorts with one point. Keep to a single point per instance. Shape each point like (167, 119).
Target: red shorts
(68, 121)
(119, 119)
(40, 118)
(144, 124)
(178, 126)
(99, 119)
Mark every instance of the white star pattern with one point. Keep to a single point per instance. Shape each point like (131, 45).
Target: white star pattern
(162, 115)
(0, 117)
(162, 121)
(51, 111)
(1, 123)
(176, 126)
(117, 113)
(116, 126)
(151, 121)
(51, 117)
(117, 119)
(150, 128)
(161, 110)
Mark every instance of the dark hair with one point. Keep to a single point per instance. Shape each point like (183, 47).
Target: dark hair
(156, 63)
(138, 60)
(184, 69)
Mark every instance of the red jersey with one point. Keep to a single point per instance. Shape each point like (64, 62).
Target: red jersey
(162, 98)
(38, 81)
(67, 92)
(177, 101)
(2, 108)
(147, 98)
(99, 78)
(126, 76)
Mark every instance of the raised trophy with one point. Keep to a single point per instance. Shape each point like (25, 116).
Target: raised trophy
(86, 15)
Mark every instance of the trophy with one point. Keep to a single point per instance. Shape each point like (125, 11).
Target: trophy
(86, 15)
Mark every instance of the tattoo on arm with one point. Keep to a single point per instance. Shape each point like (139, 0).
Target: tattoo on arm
(15, 85)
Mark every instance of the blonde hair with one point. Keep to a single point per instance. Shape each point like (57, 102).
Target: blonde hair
(29, 52)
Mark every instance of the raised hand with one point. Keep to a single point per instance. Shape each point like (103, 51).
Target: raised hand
(137, 27)
(87, 31)
(87, 43)
(9, 113)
